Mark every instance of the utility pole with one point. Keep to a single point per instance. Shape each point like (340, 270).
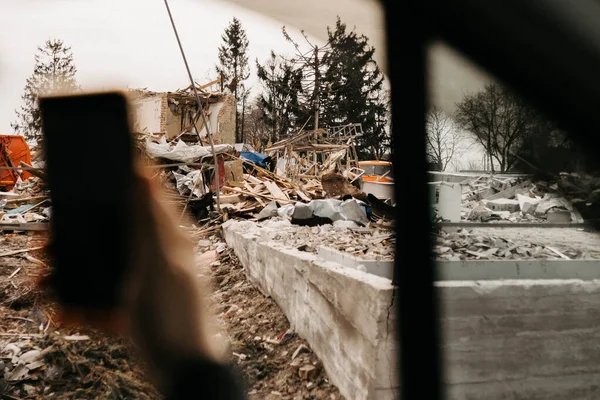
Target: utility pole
(201, 110)
(316, 94)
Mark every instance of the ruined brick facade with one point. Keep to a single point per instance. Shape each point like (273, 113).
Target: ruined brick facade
(151, 113)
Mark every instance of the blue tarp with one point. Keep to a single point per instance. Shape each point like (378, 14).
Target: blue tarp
(255, 158)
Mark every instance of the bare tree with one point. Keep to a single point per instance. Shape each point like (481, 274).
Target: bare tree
(500, 121)
(444, 138)
(258, 131)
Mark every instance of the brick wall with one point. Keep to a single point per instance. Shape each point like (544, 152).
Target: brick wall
(226, 121)
(164, 109)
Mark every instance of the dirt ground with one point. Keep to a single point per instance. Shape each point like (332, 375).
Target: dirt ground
(261, 343)
(40, 360)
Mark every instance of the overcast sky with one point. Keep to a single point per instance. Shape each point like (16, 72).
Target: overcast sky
(124, 42)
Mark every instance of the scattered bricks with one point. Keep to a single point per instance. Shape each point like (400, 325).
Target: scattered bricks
(307, 372)
(555, 216)
(510, 205)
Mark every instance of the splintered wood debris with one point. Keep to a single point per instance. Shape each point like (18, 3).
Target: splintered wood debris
(258, 190)
(463, 245)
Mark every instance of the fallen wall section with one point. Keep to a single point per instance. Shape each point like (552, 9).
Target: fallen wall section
(346, 315)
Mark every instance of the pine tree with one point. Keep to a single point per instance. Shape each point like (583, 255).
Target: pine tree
(233, 65)
(342, 84)
(54, 72)
(279, 101)
(355, 89)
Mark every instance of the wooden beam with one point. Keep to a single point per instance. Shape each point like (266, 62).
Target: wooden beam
(31, 226)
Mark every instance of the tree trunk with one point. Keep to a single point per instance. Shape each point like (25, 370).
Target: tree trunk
(237, 115)
(242, 134)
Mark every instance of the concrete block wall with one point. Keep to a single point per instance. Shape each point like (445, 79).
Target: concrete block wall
(521, 339)
(346, 315)
(532, 338)
(164, 111)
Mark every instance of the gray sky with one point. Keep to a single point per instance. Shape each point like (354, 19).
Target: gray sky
(124, 42)
(118, 43)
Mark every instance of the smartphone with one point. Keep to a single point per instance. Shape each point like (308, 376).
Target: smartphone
(88, 149)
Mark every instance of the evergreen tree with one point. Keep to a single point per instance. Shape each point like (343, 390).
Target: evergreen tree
(54, 72)
(279, 101)
(233, 66)
(342, 84)
(355, 89)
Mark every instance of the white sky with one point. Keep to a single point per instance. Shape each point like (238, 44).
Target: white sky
(117, 43)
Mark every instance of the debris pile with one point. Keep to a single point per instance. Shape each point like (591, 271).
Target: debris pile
(26, 206)
(310, 154)
(41, 359)
(369, 243)
(55, 365)
(463, 245)
(570, 198)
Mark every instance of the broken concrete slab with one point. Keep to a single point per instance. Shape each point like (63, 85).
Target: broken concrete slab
(269, 211)
(527, 204)
(381, 268)
(556, 216)
(510, 205)
(509, 192)
(450, 198)
(554, 202)
(302, 211)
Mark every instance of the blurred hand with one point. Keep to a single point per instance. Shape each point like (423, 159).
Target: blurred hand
(165, 310)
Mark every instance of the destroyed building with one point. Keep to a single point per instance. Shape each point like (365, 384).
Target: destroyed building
(174, 114)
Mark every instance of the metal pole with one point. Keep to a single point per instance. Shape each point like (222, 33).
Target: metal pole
(208, 133)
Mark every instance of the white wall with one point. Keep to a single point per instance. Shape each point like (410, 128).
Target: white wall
(147, 114)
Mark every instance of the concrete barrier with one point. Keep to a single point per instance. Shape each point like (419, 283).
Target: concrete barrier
(521, 339)
(532, 338)
(346, 315)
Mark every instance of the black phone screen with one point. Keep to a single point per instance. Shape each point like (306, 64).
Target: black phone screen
(89, 160)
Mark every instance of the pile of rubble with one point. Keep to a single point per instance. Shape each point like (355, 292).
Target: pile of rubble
(464, 245)
(26, 204)
(245, 188)
(570, 198)
(370, 242)
(41, 359)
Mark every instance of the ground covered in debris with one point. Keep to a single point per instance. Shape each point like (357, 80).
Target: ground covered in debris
(39, 359)
(276, 362)
(372, 242)
(524, 243)
(565, 198)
